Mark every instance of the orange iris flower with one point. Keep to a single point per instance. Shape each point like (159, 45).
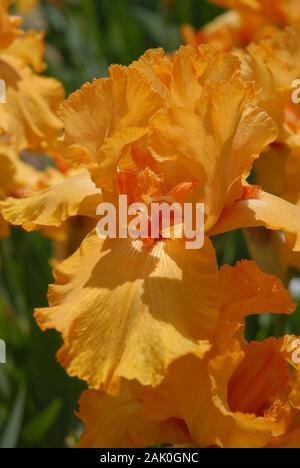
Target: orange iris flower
(191, 120)
(274, 64)
(239, 395)
(29, 115)
(247, 21)
(27, 118)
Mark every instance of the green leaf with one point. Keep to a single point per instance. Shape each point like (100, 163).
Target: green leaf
(41, 424)
(11, 433)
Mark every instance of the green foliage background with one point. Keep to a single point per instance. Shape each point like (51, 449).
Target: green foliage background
(37, 399)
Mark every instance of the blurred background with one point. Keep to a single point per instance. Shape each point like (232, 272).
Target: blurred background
(37, 398)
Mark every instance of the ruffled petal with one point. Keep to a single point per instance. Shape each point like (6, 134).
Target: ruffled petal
(126, 311)
(77, 195)
(180, 78)
(29, 115)
(37, 107)
(280, 12)
(127, 100)
(226, 32)
(274, 63)
(30, 48)
(265, 210)
(246, 290)
(261, 375)
(196, 392)
(221, 139)
(100, 411)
